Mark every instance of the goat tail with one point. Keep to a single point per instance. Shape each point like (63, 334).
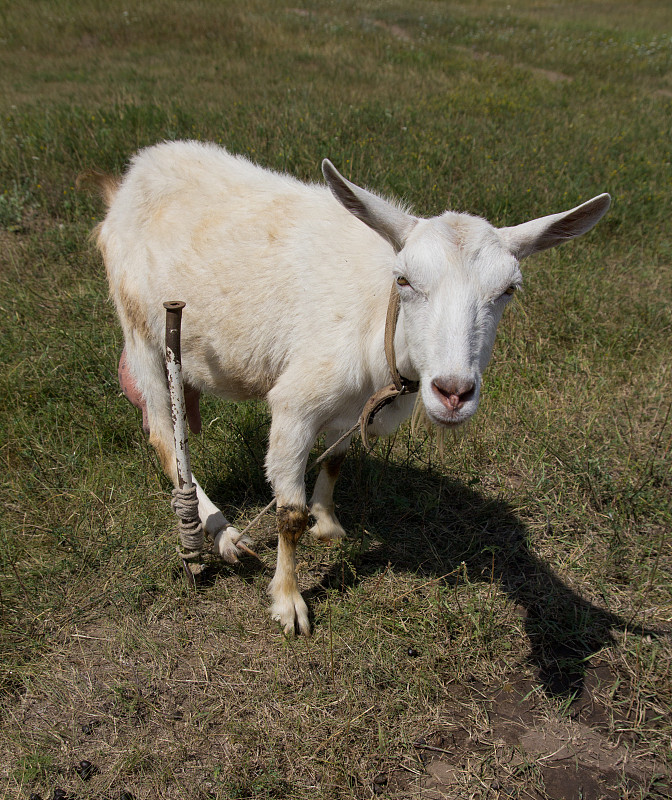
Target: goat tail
(105, 184)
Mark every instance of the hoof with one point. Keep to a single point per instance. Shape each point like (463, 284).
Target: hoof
(291, 612)
(226, 544)
(326, 528)
(327, 535)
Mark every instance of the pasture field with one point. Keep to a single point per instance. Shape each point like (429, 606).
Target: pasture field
(499, 622)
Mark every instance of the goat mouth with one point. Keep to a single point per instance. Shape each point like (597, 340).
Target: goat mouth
(442, 421)
(447, 406)
(457, 423)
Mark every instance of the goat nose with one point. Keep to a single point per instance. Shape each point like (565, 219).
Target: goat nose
(453, 393)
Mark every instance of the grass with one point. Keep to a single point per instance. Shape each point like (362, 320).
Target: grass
(498, 623)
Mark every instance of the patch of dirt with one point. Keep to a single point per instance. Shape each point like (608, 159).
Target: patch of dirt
(396, 30)
(89, 41)
(551, 75)
(198, 700)
(521, 750)
(10, 246)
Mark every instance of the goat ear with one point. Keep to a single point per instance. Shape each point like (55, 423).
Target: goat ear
(383, 217)
(540, 234)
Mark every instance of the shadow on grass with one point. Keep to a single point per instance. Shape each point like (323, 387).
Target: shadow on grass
(430, 524)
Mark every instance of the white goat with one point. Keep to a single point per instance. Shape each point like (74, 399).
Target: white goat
(286, 294)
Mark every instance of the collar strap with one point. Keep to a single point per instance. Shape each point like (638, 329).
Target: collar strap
(399, 381)
(399, 386)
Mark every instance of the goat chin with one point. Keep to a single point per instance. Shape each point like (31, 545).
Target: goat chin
(440, 434)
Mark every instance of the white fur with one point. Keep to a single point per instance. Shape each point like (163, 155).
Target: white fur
(286, 293)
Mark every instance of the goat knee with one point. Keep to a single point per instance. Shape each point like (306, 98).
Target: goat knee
(327, 528)
(292, 521)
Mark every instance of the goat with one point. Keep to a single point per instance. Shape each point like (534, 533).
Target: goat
(286, 294)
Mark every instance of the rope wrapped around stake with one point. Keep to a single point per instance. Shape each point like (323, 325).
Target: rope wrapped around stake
(185, 506)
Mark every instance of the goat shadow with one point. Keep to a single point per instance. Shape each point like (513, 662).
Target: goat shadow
(429, 524)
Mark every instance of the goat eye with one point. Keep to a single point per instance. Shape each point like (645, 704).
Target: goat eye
(507, 292)
(401, 281)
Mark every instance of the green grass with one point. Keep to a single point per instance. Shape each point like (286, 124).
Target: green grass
(527, 568)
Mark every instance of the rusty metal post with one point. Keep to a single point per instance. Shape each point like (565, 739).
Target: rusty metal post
(178, 408)
(185, 501)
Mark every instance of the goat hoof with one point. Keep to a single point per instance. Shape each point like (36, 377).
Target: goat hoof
(327, 534)
(289, 612)
(327, 528)
(226, 544)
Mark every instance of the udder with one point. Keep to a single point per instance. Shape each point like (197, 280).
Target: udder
(130, 388)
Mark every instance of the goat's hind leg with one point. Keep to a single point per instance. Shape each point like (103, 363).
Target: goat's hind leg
(225, 537)
(150, 394)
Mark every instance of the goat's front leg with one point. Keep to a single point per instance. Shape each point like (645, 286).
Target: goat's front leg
(288, 606)
(327, 528)
(289, 446)
(156, 423)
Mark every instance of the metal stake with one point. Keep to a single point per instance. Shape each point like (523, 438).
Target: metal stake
(178, 408)
(185, 502)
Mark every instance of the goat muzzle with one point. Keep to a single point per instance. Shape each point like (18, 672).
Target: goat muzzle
(453, 394)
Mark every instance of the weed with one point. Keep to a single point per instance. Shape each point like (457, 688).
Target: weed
(13, 206)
